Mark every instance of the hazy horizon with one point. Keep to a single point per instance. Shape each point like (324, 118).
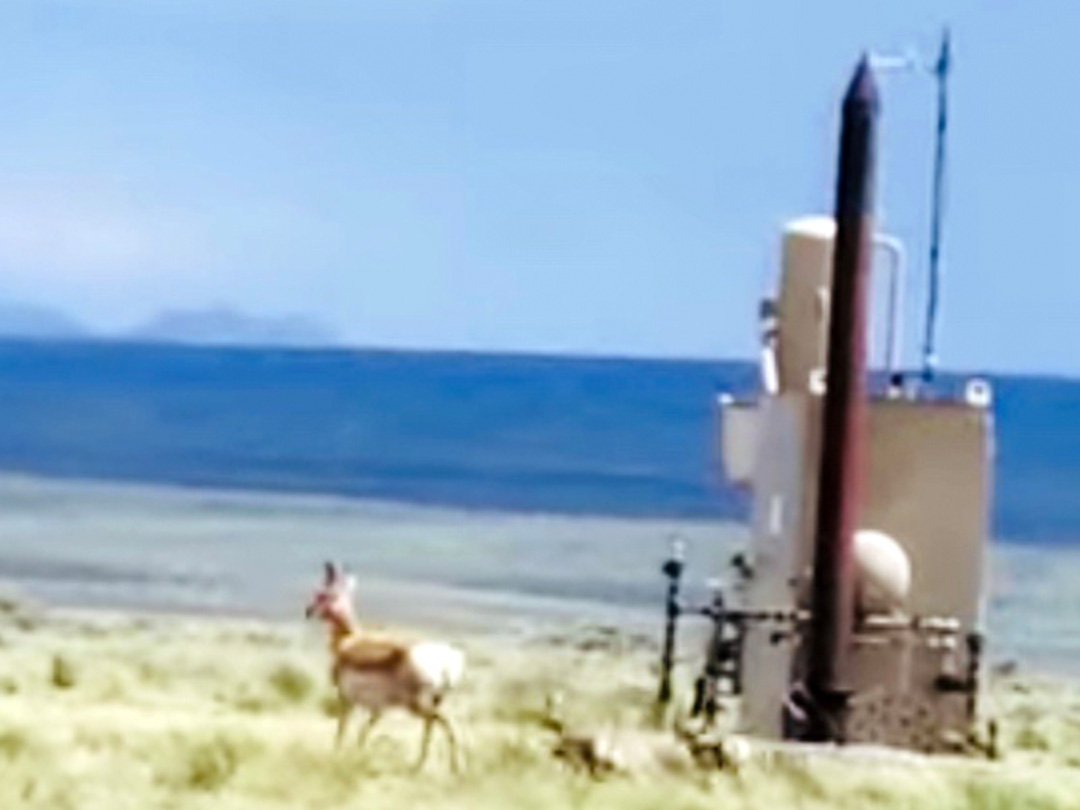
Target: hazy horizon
(139, 334)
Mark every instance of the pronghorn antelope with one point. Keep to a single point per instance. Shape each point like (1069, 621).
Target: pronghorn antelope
(622, 751)
(637, 752)
(379, 672)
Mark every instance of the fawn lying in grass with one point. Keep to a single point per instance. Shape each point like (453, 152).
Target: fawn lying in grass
(380, 672)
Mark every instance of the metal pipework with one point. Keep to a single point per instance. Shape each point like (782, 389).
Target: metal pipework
(673, 570)
(845, 414)
(894, 319)
(768, 319)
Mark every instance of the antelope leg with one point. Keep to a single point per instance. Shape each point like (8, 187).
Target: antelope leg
(343, 722)
(373, 718)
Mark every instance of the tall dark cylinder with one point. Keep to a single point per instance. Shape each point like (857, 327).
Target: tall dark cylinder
(845, 413)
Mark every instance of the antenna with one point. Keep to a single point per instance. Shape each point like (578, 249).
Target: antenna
(906, 62)
(882, 63)
(941, 72)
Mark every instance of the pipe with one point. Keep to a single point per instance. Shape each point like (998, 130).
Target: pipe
(840, 476)
(672, 569)
(770, 334)
(893, 325)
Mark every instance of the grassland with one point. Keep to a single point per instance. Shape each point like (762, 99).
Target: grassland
(118, 711)
(101, 711)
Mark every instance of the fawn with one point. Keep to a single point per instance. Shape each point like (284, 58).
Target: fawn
(380, 672)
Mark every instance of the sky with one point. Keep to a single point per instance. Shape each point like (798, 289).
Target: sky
(603, 177)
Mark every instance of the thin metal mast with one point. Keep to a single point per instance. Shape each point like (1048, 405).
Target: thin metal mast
(941, 71)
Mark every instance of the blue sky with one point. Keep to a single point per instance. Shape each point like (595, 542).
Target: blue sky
(603, 177)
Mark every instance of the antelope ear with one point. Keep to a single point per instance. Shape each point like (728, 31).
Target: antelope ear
(350, 584)
(331, 573)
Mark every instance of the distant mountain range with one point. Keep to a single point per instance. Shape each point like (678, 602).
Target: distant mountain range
(19, 320)
(220, 326)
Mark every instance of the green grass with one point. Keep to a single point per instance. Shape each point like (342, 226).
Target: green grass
(99, 714)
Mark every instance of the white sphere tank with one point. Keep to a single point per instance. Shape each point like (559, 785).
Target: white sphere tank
(883, 573)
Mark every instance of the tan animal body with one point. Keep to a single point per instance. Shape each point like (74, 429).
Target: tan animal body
(379, 672)
(618, 751)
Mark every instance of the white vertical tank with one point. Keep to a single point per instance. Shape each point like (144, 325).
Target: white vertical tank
(803, 303)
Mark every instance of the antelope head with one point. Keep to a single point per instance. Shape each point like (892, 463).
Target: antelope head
(333, 601)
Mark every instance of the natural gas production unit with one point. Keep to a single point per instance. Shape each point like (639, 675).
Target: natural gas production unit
(855, 616)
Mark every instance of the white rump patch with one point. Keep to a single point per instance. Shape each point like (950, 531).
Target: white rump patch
(439, 665)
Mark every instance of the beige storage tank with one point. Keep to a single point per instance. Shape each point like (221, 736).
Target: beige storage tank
(802, 306)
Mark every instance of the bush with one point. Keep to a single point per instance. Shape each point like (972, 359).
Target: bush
(63, 672)
(12, 743)
(210, 762)
(292, 683)
(211, 765)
